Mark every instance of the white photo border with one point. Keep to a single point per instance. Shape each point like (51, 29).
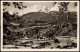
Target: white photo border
(39, 49)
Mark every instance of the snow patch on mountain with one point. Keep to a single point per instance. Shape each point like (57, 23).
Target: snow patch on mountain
(55, 7)
(44, 9)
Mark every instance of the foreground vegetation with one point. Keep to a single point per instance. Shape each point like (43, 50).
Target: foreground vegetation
(40, 26)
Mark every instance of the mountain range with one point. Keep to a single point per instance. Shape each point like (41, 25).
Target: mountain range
(50, 17)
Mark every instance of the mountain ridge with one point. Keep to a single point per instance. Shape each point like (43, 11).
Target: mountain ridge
(51, 17)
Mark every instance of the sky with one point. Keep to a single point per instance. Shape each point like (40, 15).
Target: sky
(36, 6)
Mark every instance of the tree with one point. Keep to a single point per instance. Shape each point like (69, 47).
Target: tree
(7, 18)
(75, 4)
(64, 7)
(18, 5)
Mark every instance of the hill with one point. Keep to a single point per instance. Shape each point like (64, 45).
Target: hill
(51, 17)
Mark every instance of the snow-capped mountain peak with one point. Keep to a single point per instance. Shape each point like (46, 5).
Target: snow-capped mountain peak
(44, 9)
(56, 7)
